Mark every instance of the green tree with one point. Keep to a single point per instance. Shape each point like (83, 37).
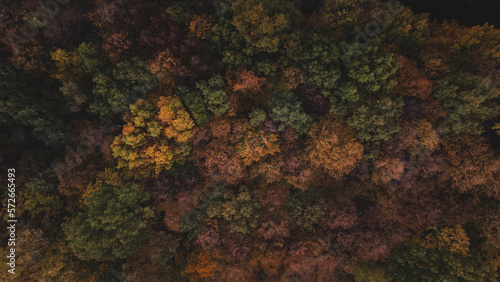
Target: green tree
(31, 107)
(368, 70)
(306, 209)
(115, 90)
(287, 110)
(377, 120)
(92, 58)
(321, 63)
(216, 98)
(412, 262)
(113, 223)
(239, 210)
(257, 117)
(405, 28)
(264, 23)
(193, 100)
(468, 101)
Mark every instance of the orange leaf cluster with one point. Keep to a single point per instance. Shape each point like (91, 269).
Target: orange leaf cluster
(200, 26)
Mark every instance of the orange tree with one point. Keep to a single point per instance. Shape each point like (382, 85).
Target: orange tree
(156, 135)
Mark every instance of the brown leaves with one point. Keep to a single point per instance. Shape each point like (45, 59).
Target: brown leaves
(200, 26)
(333, 148)
(412, 81)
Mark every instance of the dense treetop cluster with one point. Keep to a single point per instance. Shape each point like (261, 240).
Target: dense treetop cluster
(249, 140)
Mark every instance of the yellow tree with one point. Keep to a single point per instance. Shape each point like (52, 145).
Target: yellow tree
(155, 135)
(256, 145)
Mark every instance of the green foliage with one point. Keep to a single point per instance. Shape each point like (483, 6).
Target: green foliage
(306, 209)
(287, 110)
(369, 70)
(257, 117)
(92, 58)
(230, 43)
(191, 222)
(407, 29)
(321, 63)
(411, 262)
(175, 12)
(113, 224)
(468, 101)
(194, 102)
(377, 120)
(264, 23)
(216, 98)
(114, 92)
(239, 210)
(364, 272)
(30, 107)
(40, 195)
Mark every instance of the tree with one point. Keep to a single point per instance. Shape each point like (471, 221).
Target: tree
(199, 26)
(155, 136)
(239, 210)
(268, 257)
(320, 61)
(473, 166)
(387, 169)
(263, 24)
(244, 81)
(164, 65)
(114, 93)
(215, 150)
(306, 209)
(257, 117)
(468, 100)
(41, 206)
(411, 80)
(154, 260)
(87, 153)
(377, 120)
(28, 108)
(333, 148)
(117, 46)
(113, 223)
(342, 16)
(201, 265)
(481, 39)
(404, 28)
(194, 102)
(369, 70)
(444, 259)
(215, 97)
(92, 58)
(256, 145)
(287, 110)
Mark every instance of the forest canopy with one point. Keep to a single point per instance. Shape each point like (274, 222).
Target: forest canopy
(248, 140)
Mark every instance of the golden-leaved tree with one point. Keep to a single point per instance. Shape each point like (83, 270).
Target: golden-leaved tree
(156, 135)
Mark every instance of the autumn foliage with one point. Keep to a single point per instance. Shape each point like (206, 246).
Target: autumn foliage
(155, 136)
(248, 140)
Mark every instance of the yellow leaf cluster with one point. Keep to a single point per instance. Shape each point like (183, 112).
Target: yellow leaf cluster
(156, 135)
(453, 239)
(200, 26)
(428, 138)
(256, 145)
(67, 63)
